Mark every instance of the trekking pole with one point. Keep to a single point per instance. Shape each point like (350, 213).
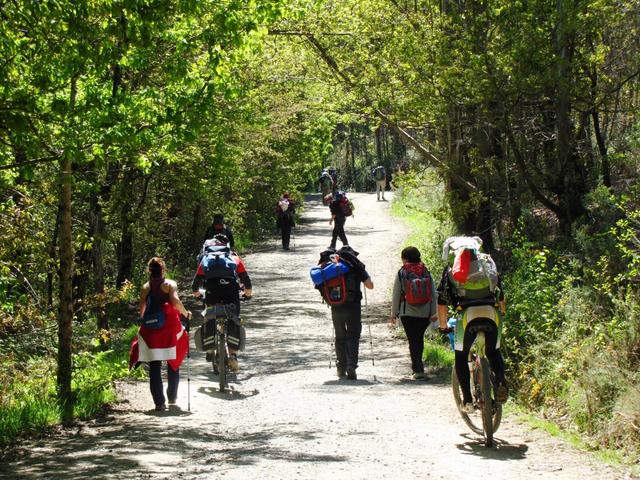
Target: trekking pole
(293, 234)
(188, 368)
(366, 315)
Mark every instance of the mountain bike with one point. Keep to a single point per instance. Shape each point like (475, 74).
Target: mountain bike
(221, 314)
(487, 413)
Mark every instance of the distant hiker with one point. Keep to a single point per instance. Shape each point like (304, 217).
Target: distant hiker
(218, 227)
(334, 176)
(471, 285)
(380, 176)
(326, 184)
(161, 335)
(222, 274)
(341, 208)
(285, 221)
(415, 302)
(342, 293)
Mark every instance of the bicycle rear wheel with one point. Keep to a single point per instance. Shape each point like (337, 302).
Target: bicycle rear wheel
(221, 347)
(487, 404)
(472, 420)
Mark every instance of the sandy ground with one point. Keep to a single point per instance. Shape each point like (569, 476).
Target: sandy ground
(288, 415)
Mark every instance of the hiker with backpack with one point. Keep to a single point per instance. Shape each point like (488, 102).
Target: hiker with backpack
(333, 173)
(285, 218)
(338, 277)
(341, 208)
(414, 301)
(471, 285)
(326, 184)
(218, 227)
(161, 336)
(380, 177)
(223, 275)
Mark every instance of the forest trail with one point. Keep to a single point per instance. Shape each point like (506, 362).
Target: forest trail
(290, 417)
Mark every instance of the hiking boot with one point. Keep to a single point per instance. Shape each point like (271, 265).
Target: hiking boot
(341, 373)
(161, 408)
(419, 376)
(351, 374)
(502, 393)
(467, 407)
(233, 363)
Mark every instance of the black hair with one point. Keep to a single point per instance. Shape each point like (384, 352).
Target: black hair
(411, 255)
(218, 218)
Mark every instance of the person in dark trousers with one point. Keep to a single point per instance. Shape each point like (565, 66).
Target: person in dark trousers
(218, 227)
(168, 343)
(227, 291)
(414, 315)
(285, 221)
(489, 305)
(337, 219)
(347, 317)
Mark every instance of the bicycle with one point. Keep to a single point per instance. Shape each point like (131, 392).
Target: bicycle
(221, 314)
(487, 420)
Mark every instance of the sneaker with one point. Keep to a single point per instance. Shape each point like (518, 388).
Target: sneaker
(233, 363)
(419, 376)
(467, 407)
(161, 408)
(341, 373)
(351, 374)
(502, 393)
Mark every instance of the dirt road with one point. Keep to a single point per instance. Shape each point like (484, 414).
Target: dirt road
(290, 417)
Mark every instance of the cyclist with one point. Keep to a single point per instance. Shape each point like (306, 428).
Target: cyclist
(479, 310)
(225, 290)
(218, 227)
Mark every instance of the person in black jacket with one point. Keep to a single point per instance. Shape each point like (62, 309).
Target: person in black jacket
(347, 316)
(338, 220)
(218, 227)
(285, 220)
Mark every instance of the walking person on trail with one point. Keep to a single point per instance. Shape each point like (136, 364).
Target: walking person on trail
(333, 172)
(414, 301)
(223, 275)
(326, 184)
(285, 220)
(342, 293)
(470, 283)
(218, 227)
(341, 208)
(380, 177)
(162, 336)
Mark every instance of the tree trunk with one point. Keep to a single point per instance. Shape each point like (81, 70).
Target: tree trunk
(65, 311)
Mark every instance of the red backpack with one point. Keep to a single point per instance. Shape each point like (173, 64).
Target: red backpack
(415, 283)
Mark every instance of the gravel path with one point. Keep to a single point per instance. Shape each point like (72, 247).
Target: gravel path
(289, 417)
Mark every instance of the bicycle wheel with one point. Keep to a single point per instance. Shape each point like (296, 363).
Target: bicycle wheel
(486, 402)
(472, 420)
(222, 360)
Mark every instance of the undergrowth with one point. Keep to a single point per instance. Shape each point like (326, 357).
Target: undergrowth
(572, 329)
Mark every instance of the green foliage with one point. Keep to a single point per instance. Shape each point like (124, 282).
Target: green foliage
(419, 200)
(437, 355)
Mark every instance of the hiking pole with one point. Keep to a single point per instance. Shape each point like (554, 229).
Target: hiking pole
(293, 234)
(188, 368)
(366, 315)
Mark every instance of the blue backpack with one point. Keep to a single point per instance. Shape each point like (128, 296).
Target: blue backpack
(218, 264)
(153, 316)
